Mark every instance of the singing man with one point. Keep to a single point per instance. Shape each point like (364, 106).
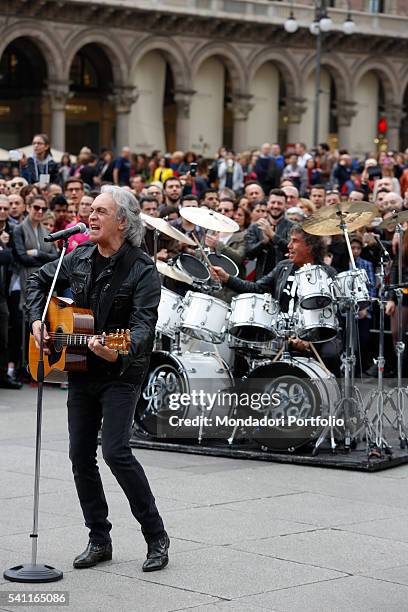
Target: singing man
(111, 386)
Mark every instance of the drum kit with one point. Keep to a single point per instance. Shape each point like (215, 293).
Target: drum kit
(202, 327)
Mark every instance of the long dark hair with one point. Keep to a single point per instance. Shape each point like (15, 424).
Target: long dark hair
(316, 243)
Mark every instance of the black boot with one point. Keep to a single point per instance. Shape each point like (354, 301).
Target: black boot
(157, 554)
(93, 554)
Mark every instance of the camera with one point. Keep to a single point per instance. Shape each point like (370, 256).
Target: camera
(374, 172)
(193, 169)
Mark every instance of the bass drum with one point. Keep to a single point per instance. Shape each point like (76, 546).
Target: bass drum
(202, 377)
(305, 389)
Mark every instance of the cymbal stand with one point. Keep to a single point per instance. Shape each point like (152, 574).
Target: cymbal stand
(401, 392)
(378, 444)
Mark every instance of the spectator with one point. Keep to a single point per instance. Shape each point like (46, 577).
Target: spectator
(17, 208)
(89, 172)
(296, 173)
(230, 173)
(41, 167)
(65, 168)
(267, 170)
(164, 171)
(74, 190)
(318, 196)
(172, 192)
(121, 169)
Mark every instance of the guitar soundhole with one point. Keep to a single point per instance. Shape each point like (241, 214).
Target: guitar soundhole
(58, 339)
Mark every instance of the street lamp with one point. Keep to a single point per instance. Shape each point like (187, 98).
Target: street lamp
(320, 25)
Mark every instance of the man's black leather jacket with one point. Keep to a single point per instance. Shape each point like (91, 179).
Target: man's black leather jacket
(134, 305)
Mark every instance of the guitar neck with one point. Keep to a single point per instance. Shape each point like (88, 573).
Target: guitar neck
(74, 339)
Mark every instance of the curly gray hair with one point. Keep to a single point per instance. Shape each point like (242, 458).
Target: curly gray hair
(128, 208)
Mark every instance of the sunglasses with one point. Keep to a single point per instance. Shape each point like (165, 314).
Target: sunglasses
(16, 184)
(6, 208)
(225, 210)
(38, 208)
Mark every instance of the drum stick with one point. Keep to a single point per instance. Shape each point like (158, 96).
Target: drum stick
(204, 254)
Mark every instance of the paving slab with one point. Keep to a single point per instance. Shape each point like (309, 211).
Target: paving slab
(354, 593)
(228, 573)
(316, 509)
(90, 591)
(333, 549)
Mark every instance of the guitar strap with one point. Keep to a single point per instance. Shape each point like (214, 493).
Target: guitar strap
(121, 271)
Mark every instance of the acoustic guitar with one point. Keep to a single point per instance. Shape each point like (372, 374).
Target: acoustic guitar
(70, 329)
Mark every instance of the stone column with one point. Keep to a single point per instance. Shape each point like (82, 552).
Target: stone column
(394, 117)
(58, 93)
(241, 106)
(346, 111)
(123, 99)
(183, 100)
(295, 108)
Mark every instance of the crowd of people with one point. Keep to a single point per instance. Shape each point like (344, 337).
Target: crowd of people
(264, 191)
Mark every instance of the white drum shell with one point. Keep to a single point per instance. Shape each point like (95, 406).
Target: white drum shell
(186, 373)
(168, 314)
(204, 317)
(253, 315)
(313, 287)
(352, 284)
(316, 326)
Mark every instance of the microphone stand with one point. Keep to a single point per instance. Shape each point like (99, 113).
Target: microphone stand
(35, 572)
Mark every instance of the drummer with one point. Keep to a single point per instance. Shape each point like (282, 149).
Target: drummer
(280, 282)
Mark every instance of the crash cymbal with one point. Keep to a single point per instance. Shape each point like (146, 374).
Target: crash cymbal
(326, 221)
(210, 219)
(394, 219)
(165, 228)
(173, 272)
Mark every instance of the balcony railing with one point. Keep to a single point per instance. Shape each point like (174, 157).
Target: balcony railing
(266, 11)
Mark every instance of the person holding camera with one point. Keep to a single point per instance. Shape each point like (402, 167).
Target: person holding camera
(230, 173)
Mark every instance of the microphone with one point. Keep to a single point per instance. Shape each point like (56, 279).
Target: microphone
(79, 228)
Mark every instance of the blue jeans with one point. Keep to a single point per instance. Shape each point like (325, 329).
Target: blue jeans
(88, 403)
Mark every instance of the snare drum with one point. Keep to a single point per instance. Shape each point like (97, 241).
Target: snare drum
(191, 265)
(168, 315)
(313, 287)
(204, 317)
(254, 317)
(316, 326)
(352, 285)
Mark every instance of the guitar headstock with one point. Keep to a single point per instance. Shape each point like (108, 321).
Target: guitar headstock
(119, 342)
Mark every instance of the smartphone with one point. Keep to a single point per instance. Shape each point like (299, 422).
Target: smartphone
(193, 169)
(374, 172)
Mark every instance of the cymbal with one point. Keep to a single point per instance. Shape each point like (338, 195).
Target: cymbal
(165, 228)
(210, 219)
(173, 272)
(397, 217)
(326, 221)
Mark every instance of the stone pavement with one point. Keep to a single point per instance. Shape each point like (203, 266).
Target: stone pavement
(244, 535)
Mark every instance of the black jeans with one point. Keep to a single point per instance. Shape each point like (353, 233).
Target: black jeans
(4, 319)
(88, 403)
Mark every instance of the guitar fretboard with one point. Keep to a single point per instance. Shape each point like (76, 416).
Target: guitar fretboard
(74, 339)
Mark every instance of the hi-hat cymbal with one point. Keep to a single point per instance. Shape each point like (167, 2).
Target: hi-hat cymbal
(165, 228)
(394, 219)
(327, 220)
(210, 219)
(173, 272)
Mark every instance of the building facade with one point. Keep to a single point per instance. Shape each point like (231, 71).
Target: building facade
(196, 74)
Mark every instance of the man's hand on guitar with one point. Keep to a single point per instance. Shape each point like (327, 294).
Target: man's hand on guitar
(102, 351)
(37, 336)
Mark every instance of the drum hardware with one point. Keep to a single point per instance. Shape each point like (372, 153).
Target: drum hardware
(396, 219)
(377, 444)
(400, 391)
(340, 219)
